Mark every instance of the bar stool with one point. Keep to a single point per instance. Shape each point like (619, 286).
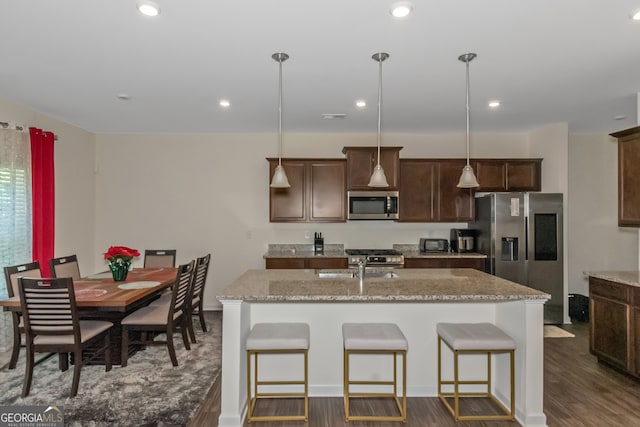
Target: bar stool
(276, 338)
(465, 338)
(375, 338)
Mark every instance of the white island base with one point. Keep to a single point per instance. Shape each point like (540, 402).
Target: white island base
(522, 319)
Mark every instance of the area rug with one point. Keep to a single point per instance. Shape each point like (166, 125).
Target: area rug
(148, 392)
(551, 331)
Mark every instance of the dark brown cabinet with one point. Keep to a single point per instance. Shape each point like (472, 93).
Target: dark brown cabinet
(429, 192)
(317, 192)
(444, 262)
(362, 160)
(614, 316)
(311, 263)
(508, 174)
(628, 177)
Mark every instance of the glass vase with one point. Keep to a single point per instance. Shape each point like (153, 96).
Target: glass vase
(119, 271)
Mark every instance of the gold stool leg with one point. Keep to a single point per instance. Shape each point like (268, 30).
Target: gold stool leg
(345, 378)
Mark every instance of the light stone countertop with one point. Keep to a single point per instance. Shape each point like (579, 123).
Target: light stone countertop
(331, 250)
(412, 285)
(631, 278)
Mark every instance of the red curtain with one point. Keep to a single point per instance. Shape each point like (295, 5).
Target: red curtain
(43, 197)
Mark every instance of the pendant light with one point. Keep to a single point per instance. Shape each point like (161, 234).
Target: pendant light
(279, 179)
(378, 178)
(468, 178)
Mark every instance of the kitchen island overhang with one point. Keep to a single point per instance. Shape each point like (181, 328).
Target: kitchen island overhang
(415, 301)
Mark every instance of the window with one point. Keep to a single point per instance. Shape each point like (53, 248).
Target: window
(15, 200)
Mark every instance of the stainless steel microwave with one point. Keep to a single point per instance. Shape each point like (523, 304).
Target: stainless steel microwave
(373, 205)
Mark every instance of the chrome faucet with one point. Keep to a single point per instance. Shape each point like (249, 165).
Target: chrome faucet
(362, 264)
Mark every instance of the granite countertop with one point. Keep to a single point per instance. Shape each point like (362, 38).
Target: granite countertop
(631, 278)
(331, 250)
(411, 285)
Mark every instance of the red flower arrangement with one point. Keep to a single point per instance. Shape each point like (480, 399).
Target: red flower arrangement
(120, 254)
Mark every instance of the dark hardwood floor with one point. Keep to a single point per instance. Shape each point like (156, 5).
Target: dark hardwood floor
(578, 392)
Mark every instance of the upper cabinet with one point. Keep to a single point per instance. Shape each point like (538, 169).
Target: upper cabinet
(317, 192)
(628, 177)
(429, 192)
(508, 174)
(362, 160)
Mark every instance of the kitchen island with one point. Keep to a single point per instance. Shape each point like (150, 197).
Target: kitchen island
(415, 300)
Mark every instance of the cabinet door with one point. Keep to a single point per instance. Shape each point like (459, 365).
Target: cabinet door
(477, 263)
(284, 263)
(326, 263)
(454, 204)
(628, 182)
(327, 194)
(524, 175)
(609, 330)
(362, 160)
(491, 174)
(288, 204)
(417, 178)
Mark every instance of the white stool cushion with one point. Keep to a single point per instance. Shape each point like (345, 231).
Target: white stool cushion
(373, 336)
(475, 336)
(278, 336)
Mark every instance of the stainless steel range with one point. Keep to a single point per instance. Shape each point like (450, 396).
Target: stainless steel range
(378, 258)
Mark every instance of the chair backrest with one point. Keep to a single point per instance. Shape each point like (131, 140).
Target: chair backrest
(200, 276)
(181, 290)
(12, 272)
(154, 258)
(65, 267)
(49, 307)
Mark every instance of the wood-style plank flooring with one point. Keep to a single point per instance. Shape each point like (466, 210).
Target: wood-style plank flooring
(579, 392)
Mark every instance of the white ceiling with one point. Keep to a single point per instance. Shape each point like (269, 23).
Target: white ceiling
(547, 61)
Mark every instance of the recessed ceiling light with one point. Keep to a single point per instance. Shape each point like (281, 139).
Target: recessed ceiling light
(361, 104)
(619, 117)
(494, 104)
(123, 96)
(334, 115)
(636, 15)
(149, 8)
(224, 103)
(401, 9)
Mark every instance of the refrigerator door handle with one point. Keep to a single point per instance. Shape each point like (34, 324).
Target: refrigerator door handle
(526, 238)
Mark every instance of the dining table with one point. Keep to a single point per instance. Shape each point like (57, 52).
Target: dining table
(99, 297)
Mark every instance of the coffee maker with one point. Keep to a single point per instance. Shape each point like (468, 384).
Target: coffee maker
(462, 240)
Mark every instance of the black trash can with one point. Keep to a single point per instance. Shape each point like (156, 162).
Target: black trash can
(579, 307)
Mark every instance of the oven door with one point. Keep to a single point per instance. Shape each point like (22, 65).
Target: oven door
(373, 205)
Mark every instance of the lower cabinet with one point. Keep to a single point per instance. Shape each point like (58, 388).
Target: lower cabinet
(614, 327)
(477, 263)
(309, 263)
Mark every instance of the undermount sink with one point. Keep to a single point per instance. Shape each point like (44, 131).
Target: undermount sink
(352, 274)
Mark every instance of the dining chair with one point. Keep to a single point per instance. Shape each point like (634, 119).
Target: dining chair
(161, 318)
(52, 324)
(65, 267)
(11, 275)
(154, 258)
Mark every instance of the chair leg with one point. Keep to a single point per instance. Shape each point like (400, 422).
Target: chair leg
(170, 347)
(28, 373)
(17, 338)
(77, 367)
(107, 351)
(192, 333)
(201, 316)
(124, 352)
(183, 330)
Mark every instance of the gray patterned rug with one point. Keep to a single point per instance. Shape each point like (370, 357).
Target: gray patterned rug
(148, 392)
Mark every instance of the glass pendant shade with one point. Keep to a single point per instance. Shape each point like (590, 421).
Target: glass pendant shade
(468, 178)
(279, 179)
(378, 178)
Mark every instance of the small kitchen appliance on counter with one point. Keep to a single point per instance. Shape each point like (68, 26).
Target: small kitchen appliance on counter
(318, 244)
(463, 240)
(433, 245)
(376, 258)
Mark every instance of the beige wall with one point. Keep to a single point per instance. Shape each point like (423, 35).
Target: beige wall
(597, 243)
(75, 183)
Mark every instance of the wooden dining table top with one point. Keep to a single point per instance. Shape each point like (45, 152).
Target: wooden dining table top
(100, 292)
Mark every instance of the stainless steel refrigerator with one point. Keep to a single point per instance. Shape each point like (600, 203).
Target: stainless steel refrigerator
(521, 234)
